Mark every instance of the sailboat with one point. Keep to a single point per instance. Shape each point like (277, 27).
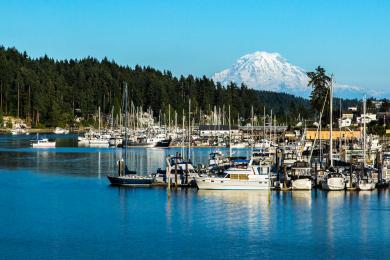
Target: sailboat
(98, 140)
(126, 177)
(365, 181)
(332, 180)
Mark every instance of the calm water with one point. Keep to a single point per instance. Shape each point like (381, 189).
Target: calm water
(56, 203)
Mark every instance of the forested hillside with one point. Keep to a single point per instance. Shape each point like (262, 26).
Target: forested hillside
(46, 92)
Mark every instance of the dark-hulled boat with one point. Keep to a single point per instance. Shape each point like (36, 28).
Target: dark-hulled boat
(126, 177)
(164, 143)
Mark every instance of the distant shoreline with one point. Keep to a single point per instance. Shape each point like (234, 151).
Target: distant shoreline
(40, 130)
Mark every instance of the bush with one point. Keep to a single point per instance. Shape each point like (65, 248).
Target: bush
(9, 124)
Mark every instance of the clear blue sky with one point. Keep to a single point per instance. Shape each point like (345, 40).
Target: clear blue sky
(349, 38)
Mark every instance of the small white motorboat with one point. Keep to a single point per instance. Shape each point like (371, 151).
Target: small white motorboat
(43, 143)
(60, 131)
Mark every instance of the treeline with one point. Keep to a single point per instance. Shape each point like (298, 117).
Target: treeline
(47, 92)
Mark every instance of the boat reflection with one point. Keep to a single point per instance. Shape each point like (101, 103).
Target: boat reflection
(302, 197)
(249, 210)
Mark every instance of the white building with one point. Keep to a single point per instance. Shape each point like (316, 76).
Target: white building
(217, 130)
(368, 118)
(345, 122)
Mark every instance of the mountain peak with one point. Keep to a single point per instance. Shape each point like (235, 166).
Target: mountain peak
(265, 71)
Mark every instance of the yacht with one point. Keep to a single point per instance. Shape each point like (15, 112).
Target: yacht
(243, 176)
(333, 181)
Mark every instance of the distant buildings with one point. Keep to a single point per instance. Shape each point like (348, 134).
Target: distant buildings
(337, 133)
(207, 131)
(368, 118)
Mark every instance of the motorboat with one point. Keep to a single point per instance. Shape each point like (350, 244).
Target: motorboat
(239, 177)
(59, 131)
(42, 143)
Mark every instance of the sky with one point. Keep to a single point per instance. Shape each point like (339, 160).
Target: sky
(350, 39)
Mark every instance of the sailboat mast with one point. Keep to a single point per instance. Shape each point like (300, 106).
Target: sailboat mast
(99, 120)
(264, 123)
(126, 119)
(230, 136)
(270, 127)
(189, 129)
(253, 139)
(331, 123)
(364, 131)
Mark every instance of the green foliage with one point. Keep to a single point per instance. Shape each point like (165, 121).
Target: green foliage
(376, 129)
(9, 124)
(320, 82)
(51, 90)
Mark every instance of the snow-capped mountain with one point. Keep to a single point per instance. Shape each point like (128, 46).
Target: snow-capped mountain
(265, 71)
(270, 71)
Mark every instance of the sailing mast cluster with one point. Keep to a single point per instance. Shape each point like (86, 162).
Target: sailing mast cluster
(274, 162)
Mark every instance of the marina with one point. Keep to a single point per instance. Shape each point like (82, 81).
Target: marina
(319, 222)
(194, 130)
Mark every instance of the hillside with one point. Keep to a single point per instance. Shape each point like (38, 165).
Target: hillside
(50, 90)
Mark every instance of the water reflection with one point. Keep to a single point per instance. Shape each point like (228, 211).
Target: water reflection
(245, 209)
(302, 197)
(334, 223)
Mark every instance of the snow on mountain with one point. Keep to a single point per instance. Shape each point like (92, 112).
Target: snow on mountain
(270, 71)
(265, 71)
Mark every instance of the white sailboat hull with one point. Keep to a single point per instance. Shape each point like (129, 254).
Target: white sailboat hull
(334, 184)
(366, 186)
(301, 184)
